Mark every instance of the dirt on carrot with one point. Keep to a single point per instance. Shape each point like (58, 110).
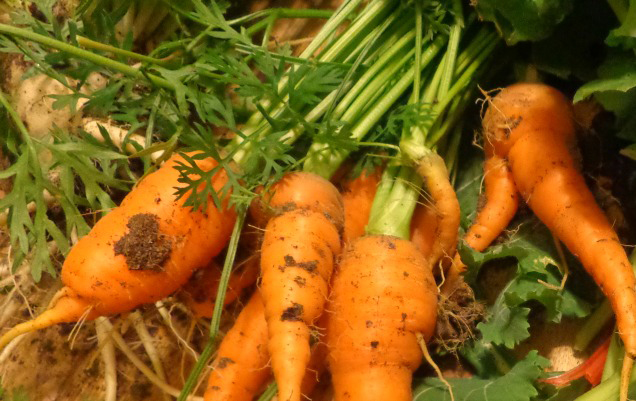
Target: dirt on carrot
(143, 246)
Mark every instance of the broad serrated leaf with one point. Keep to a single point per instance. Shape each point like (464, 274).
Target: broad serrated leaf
(516, 385)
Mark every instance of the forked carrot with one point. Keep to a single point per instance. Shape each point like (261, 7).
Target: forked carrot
(531, 126)
(139, 253)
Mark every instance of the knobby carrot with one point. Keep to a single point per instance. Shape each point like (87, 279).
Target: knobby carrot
(424, 230)
(384, 293)
(297, 258)
(531, 126)
(141, 252)
(200, 292)
(357, 197)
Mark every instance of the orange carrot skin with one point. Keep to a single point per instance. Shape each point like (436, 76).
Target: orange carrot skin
(383, 294)
(357, 197)
(200, 292)
(502, 202)
(532, 125)
(424, 228)
(297, 259)
(241, 369)
(104, 280)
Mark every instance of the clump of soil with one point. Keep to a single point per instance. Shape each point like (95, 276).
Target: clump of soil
(457, 318)
(144, 247)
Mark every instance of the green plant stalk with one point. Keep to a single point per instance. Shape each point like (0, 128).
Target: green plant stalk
(453, 47)
(282, 13)
(86, 55)
(593, 325)
(324, 161)
(269, 392)
(215, 324)
(392, 211)
(91, 44)
(614, 359)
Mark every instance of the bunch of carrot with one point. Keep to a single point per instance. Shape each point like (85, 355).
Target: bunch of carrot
(347, 277)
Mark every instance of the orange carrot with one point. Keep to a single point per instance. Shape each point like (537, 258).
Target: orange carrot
(357, 197)
(140, 252)
(424, 229)
(241, 368)
(501, 203)
(531, 126)
(200, 292)
(297, 259)
(384, 294)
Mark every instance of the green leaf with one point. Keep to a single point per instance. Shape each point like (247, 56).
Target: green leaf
(519, 20)
(516, 385)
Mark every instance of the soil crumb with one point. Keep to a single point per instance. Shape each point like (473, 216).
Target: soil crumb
(144, 247)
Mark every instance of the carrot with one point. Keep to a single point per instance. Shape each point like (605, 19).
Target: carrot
(141, 252)
(501, 204)
(241, 368)
(383, 294)
(200, 292)
(424, 229)
(297, 259)
(357, 197)
(531, 126)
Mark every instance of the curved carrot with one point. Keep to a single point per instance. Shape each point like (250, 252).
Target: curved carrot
(200, 292)
(241, 368)
(297, 259)
(532, 126)
(433, 171)
(501, 203)
(141, 252)
(357, 197)
(384, 293)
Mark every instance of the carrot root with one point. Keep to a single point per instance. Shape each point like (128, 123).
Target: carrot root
(66, 310)
(626, 372)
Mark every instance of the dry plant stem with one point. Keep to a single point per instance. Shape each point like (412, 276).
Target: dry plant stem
(145, 370)
(10, 347)
(108, 355)
(168, 320)
(427, 356)
(149, 346)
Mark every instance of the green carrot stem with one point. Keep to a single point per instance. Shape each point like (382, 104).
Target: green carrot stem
(282, 13)
(593, 325)
(215, 324)
(392, 211)
(91, 44)
(614, 359)
(84, 54)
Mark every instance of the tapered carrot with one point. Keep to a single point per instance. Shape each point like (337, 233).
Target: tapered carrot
(424, 229)
(384, 293)
(297, 258)
(357, 197)
(241, 368)
(501, 202)
(140, 252)
(200, 292)
(531, 126)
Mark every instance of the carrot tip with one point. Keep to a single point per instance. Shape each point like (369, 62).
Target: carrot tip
(626, 372)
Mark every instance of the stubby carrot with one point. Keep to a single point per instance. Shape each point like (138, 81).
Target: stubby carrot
(140, 252)
(297, 259)
(531, 126)
(199, 294)
(384, 293)
(357, 197)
